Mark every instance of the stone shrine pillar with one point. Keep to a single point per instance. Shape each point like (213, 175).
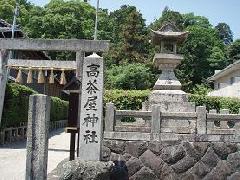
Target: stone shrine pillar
(167, 91)
(91, 130)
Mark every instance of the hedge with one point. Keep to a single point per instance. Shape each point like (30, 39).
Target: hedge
(16, 103)
(233, 104)
(59, 109)
(15, 109)
(133, 100)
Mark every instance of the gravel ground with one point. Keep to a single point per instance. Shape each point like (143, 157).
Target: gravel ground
(13, 156)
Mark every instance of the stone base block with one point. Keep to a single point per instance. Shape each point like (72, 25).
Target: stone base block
(174, 107)
(167, 85)
(158, 96)
(170, 100)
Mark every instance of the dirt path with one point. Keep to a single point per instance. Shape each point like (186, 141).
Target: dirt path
(13, 156)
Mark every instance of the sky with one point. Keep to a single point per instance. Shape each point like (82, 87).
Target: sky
(216, 11)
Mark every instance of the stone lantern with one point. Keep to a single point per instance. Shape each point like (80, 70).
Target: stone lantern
(168, 37)
(167, 93)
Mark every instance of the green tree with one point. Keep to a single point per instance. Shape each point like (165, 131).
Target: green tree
(218, 58)
(225, 33)
(168, 16)
(62, 19)
(129, 38)
(234, 50)
(134, 39)
(202, 54)
(105, 26)
(201, 89)
(204, 50)
(7, 11)
(131, 76)
(190, 19)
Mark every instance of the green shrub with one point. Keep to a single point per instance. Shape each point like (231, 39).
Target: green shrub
(130, 76)
(122, 99)
(132, 100)
(201, 89)
(59, 109)
(16, 103)
(233, 104)
(15, 109)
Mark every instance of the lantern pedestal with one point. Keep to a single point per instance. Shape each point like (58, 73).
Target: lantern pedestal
(167, 63)
(167, 91)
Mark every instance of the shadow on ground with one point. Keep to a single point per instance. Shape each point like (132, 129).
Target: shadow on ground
(22, 143)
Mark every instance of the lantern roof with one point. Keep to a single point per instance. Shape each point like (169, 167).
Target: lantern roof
(168, 32)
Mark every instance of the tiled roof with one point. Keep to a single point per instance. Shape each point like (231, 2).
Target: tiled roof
(6, 30)
(3, 23)
(229, 69)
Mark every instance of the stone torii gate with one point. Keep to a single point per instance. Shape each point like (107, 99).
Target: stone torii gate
(78, 46)
(89, 70)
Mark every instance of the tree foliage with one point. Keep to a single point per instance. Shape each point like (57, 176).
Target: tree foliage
(225, 33)
(129, 37)
(169, 16)
(190, 19)
(62, 19)
(7, 11)
(203, 53)
(207, 48)
(131, 76)
(234, 50)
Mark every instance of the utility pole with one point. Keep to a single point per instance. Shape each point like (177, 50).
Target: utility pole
(15, 15)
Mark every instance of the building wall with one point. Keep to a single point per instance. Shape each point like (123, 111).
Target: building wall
(227, 86)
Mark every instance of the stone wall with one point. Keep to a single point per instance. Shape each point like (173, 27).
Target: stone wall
(174, 145)
(176, 159)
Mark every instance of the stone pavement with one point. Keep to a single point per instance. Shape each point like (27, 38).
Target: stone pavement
(13, 156)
